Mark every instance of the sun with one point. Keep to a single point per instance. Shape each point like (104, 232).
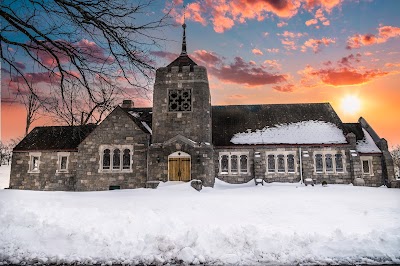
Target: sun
(351, 104)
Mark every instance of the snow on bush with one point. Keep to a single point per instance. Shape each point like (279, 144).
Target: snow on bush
(229, 224)
(305, 132)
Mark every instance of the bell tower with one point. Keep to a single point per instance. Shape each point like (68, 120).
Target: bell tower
(181, 100)
(181, 148)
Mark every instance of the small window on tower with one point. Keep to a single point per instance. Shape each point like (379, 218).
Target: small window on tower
(180, 100)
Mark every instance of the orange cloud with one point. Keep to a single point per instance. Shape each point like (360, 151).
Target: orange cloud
(311, 22)
(273, 50)
(341, 76)
(316, 44)
(288, 34)
(327, 5)
(289, 45)
(281, 24)
(272, 64)
(257, 51)
(384, 34)
(284, 88)
(208, 58)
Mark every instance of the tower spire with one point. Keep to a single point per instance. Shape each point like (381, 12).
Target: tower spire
(184, 52)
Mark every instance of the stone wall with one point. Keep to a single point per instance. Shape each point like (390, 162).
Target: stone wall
(117, 130)
(48, 177)
(195, 124)
(258, 165)
(202, 164)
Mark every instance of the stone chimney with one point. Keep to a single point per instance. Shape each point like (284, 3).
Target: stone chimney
(126, 104)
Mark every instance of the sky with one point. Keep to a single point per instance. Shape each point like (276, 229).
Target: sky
(346, 53)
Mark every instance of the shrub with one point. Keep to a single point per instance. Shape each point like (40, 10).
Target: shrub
(324, 183)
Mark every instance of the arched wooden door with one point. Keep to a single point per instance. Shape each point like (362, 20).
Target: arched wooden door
(179, 167)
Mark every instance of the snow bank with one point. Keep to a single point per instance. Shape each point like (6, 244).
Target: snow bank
(367, 145)
(305, 132)
(230, 224)
(5, 176)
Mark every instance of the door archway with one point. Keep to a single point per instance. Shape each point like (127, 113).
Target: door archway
(179, 166)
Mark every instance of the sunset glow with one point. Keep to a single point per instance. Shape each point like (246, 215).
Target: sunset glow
(351, 104)
(267, 52)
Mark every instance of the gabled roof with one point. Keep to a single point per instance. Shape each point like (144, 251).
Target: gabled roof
(142, 117)
(229, 120)
(55, 138)
(365, 141)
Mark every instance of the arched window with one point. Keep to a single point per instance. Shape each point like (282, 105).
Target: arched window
(339, 162)
(281, 163)
(126, 160)
(328, 162)
(234, 164)
(224, 164)
(318, 163)
(116, 159)
(271, 163)
(290, 163)
(106, 159)
(243, 163)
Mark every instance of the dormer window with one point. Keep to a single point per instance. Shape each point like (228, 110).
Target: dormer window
(180, 100)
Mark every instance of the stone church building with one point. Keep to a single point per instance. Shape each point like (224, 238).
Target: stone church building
(184, 138)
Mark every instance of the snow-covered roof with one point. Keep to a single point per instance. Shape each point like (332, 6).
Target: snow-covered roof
(305, 132)
(367, 145)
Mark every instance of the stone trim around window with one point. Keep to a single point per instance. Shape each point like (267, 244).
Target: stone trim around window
(233, 163)
(281, 162)
(116, 158)
(366, 165)
(326, 162)
(34, 162)
(62, 162)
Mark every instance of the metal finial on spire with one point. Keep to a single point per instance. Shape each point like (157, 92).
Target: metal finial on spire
(184, 52)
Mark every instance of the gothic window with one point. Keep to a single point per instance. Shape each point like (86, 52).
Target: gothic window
(243, 163)
(290, 163)
(328, 162)
(126, 160)
(116, 159)
(179, 100)
(233, 163)
(271, 163)
(339, 162)
(106, 159)
(281, 163)
(318, 163)
(224, 164)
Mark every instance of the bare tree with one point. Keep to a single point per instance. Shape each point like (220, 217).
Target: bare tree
(79, 109)
(75, 44)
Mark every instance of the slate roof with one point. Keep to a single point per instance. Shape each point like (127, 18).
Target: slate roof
(354, 128)
(231, 119)
(182, 60)
(55, 138)
(139, 115)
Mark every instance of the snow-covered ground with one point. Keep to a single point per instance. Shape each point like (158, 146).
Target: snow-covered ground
(230, 224)
(4, 176)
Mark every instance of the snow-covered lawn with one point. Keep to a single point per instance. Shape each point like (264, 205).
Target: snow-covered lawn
(230, 224)
(4, 176)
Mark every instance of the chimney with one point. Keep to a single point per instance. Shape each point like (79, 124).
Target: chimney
(126, 104)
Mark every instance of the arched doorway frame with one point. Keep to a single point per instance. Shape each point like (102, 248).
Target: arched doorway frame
(179, 155)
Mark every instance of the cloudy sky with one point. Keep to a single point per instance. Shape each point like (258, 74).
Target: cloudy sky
(301, 51)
